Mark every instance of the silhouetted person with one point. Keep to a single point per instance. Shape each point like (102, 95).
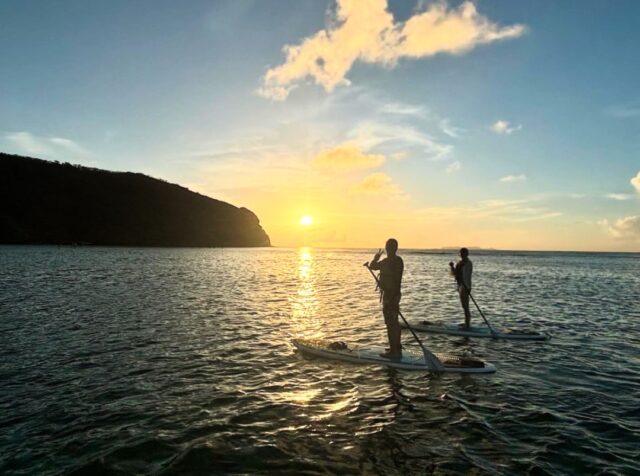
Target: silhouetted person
(462, 272)
(391, 269)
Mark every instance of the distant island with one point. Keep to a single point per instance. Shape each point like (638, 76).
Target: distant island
(44, 202)
(473, 248)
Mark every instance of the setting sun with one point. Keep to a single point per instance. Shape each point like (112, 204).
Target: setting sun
(306, 220)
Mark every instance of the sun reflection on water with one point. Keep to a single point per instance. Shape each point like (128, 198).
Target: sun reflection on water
(305, 263)
(305, 303)
(301, 397)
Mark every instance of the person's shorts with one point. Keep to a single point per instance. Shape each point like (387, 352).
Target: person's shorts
(391, 308)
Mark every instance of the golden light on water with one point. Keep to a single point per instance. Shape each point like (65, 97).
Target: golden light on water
(305, 313)
(306, 220)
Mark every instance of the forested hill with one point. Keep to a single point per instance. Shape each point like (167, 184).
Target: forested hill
(44, 202)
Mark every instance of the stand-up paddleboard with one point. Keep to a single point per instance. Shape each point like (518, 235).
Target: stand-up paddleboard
(409, 361)
(473, 331)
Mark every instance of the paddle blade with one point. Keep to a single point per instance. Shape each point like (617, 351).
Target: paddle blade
(433, 363)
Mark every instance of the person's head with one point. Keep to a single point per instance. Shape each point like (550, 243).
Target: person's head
(391, 246)
(464, 253)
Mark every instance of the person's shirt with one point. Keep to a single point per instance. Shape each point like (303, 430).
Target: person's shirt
(391, 269)
(463, 271)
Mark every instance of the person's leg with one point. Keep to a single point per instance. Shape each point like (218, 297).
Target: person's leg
(387, 323)
(464, 299)
(393, 327)
(394, 337)
(390, 311)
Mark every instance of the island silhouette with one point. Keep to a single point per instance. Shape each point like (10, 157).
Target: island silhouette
(45, 202)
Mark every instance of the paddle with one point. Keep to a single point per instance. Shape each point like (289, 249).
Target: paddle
(433, 363)
(474, 302)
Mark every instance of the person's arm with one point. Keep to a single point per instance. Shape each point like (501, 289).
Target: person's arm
(400, 273)
(375, 262)
(456, 271)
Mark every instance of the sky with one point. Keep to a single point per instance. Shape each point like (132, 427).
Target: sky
(495, 124)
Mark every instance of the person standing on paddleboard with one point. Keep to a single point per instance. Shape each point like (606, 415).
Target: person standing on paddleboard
(391, 269)
(462, 272)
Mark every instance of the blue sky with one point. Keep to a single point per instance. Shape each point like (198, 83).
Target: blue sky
(525, 137)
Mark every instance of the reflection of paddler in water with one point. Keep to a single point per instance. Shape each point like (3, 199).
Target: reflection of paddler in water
(391, 269)
(462, 271)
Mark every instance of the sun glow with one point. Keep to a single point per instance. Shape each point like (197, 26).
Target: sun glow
(306, 220)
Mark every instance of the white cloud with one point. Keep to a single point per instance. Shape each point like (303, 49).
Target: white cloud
(504, 127)
(366, 31)
(67, 144)
(454, 167)
(48, 147)
(538, 216)
(379, 184)
(618, 196)
(29, 143)
(402, 109)
(514, 178)
(627, 228)
(449, 129)
(635, 181)
(394, 126)
(372, 134)
(345, 158)
(514, 211)
(399, 155)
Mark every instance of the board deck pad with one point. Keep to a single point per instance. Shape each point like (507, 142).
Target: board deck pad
(475, 331)
(411, 360)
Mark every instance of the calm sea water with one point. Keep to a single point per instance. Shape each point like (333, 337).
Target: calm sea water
(178, 361)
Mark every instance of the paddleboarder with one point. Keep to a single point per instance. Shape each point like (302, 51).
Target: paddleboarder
(462, 272)
(391, 269)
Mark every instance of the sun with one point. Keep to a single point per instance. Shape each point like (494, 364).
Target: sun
(306, 220)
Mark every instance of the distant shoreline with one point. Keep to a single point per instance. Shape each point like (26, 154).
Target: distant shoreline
(430, 251)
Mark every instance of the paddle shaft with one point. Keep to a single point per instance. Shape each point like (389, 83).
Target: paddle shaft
(476, 304)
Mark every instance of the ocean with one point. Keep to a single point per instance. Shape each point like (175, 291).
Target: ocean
(179, 361)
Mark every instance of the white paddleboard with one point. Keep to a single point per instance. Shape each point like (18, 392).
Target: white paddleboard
(409, 361)
(455, 330)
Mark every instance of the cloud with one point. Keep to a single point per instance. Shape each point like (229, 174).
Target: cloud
(366, 31)
(514, 178)
(393, 126)
(449, 129)
(399, 155)
(402, 109)
(627, 228)
(372, 134)
(345, 158)
(635, 181)
(538, 216)
(50, 146)
(379, 184)
(514, 211)
(504, 127)
(454, 167)
(383, 105)
(618, 196)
